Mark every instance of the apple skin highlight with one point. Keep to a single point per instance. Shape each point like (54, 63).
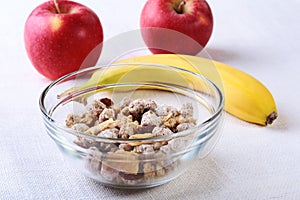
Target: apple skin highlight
(180, 26)
(60, 43)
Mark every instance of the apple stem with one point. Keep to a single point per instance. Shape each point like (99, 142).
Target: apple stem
(56, 6)
(179, 9)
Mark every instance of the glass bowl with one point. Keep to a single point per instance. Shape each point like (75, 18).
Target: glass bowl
(101, 157)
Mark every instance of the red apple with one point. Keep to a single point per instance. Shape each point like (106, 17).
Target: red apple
(62, 37)
(176, 26)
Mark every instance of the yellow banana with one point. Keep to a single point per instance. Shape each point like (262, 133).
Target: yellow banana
(245, 97)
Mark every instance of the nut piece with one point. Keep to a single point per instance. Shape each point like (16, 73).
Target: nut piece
(122, 161)
(139, 136)
(100, 127)
(171, 121)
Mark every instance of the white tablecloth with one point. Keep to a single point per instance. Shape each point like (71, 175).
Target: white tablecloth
(249, 161)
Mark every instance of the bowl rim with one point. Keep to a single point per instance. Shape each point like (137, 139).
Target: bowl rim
(59, 125)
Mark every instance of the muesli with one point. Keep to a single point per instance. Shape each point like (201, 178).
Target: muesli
(132, 162)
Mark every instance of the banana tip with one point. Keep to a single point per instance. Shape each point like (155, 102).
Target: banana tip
(271, 118)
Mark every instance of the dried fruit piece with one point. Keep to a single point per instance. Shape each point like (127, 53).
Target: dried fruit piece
(107, 102)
